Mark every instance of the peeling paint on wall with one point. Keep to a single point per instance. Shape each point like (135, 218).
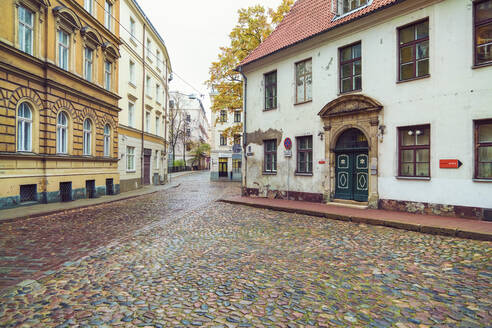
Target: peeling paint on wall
(257, 137)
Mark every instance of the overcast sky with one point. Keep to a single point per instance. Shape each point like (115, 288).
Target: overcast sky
(193, 31)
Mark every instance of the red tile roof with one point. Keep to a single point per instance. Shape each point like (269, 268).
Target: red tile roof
(306, 19)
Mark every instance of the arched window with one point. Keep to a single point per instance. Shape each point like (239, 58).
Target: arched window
(107, 140)
(24, 128)
(62, 133)
(87, 137)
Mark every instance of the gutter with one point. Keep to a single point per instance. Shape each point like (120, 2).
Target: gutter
(244, 181)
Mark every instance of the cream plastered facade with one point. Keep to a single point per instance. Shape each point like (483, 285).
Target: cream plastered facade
(449, 100)
(144, 98)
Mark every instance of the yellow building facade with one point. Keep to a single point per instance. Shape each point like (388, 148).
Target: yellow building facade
(58, 100)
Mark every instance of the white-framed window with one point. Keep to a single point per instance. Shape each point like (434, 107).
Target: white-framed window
(88, 63)
(147, 86)
(132, 72)
(349, 5)
(108, 15)
(107, 75)
(62, 133)
(157, 159)
(157, 125)
(157, 93)
(131, 114)
(149, 45)
(130, 158)
(24, 127)
(26, 30)
(158, 59)
(87, 137)
(63, 49)
(132, 27)
(107, 140)
(89, 6)
(147, 121)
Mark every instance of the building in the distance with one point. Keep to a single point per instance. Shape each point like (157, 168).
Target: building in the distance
(58, 100)
(226, 145)
(192, 124)
(387, 103)
(145, 69)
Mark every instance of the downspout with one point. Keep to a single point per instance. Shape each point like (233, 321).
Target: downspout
(166, 164)
(142, 169)
(244, 181)
(45, 73)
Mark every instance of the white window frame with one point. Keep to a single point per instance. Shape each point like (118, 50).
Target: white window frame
(87, 151)
(130, 159)
(63, 50)
(157, 122)
(108, 69)
(132, 72)
(107, 140)
(132, 27)
(147, 121)
(89, 6)
(62, 133)
(157, 92)
(131, 114)
(148, 82)
(108, 15)
(158, 59)
(24, 127)
(26, 28)
(88, 63)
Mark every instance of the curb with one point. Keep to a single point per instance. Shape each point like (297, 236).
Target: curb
(36, 215)
(450, 232)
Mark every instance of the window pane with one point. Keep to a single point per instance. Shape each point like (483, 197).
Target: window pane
(357, 67)
(485, 170)
(423, 50)
(485, 133)
(300, 68)
(422, 170)
(346, 70)
(483, 11)
(407, 71)
(346, 54)
(423, 67)
(407, 169)
(357, 83)
(406, 54)
(423, 137)
(422, 155)
(356, 51)
(309, 65)
(347, 85)
(309, 87)
(422, 30)
(407, 35)
(407, 155)
(309, 143)
(484, 54)
(408, 139)
(485, 154)
(300, 89)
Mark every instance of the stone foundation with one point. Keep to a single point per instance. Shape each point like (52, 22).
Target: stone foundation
(476, 213)
(282, 194)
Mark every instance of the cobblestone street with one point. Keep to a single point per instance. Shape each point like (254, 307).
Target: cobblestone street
(177, 258)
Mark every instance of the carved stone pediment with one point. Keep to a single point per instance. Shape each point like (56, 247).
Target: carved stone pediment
(350, 105)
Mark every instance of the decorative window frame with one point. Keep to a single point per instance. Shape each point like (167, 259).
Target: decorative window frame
(34, 126)
(110, 138)
(67, 21)
(38, 8)
(69, 134)
(339, 12)
(91, 39)
(93, 137)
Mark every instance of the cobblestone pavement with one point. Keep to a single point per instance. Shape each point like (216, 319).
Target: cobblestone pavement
(201, 263)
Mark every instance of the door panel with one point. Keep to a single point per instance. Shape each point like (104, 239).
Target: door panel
(361, 177)
(352, 179)
(223, 167)
(344, 176)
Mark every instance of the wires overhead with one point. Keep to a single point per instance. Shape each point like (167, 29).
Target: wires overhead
(149, 52)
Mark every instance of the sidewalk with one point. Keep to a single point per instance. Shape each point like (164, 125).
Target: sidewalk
(439, 225)
(25, 212)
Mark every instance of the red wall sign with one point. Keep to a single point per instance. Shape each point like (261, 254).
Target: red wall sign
(449, 163)
(287, 143)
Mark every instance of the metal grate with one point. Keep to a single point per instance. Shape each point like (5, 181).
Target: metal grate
(90, 188)
(109, 187)
(28, 193)
(66, 191)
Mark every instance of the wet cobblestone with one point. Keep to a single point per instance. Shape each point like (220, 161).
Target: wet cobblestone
(207, 264)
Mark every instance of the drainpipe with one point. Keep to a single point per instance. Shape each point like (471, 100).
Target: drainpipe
(244, 180)
(165, 165)
(142, 169)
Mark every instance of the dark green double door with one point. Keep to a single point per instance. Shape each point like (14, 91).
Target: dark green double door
(351, 175)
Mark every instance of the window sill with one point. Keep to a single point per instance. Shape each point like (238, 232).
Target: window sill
(413, 178)
(477, 66)
(269, 109)
(303, 174)
(413, 79)
(482, 180)
(269, 173)
(304, 102)
(349, 92)
(134, 171)
(134, 41)
(132, 85)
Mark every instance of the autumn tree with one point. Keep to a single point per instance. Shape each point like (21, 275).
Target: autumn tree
(177, 121)
(254, 25)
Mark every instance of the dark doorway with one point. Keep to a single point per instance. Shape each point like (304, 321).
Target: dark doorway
(351, 166)
(147, 156)
(223, 167)
(90, 188)
(66, 191)
(109, 187)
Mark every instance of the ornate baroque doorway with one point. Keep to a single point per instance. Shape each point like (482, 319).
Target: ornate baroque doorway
(352, 124)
